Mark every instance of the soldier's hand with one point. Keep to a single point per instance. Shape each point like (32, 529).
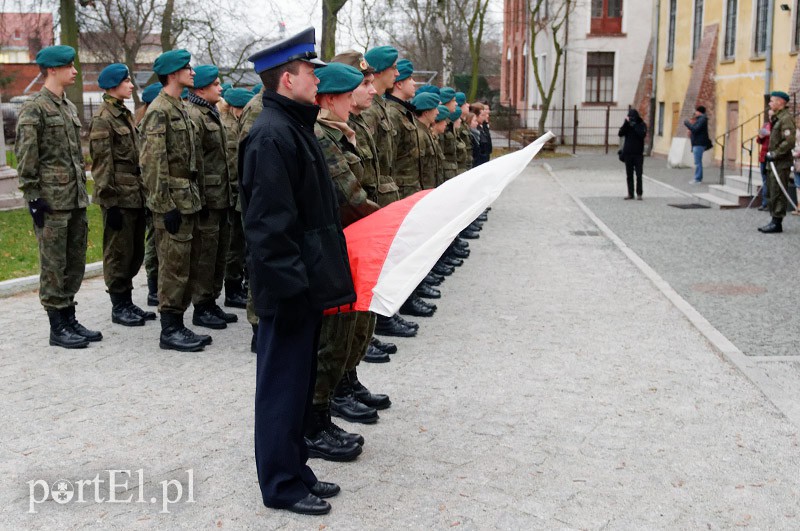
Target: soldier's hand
(770, 156)
(204, 212)
(38, 208)
(291, 313)
(172, 221)
(114, 218)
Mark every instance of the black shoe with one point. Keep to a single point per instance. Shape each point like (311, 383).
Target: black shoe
(386, 326)
(90, 335)
(389, 348)
(345, 405)
(325, 445)
(61, 334)
(152, 291)
(362, 394)
(404, 322)
(203, 338)
(775, 226)
(254, 339)
(311, 505)
(483, 217)
(376, 355)
(424, 290)
(432, 279)
(120, 311)
(470, 234)
(175, 336)
(460, 243)
(443, 269)
(453, 261)
(763, 208)
(225, 316)
(475, 226)
(323, 489)
(458, 252)
(235, 296)
(413, 307)
(147, 316)
(342, 435)
(204, 316)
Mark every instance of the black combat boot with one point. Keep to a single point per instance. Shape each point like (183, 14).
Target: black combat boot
(458, 252)
(483, 217)
(428, 292)
(152, 291)
(254, 339)
(90, 335)
(147, 316)
(363, 395)
(773, 227)
(225, 316)
(345, 405)
(322, 443)
(175, 336)
(468, 234)
(61, 334)
(376, 355)
(417, 307)
(339, 433)
(452, 261)
(120, 311)
(387, 326)
(205, 316)
(389, 348)
(432, 279)
(443, 269)
(408, 324)
(475, 226)
(235, 295)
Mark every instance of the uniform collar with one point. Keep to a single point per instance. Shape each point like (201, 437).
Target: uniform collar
(116, 106)
(53, 97)
(304, 114)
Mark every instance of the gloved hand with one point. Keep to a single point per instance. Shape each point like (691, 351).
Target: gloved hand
(172, 221)
(38, 208)
(291, 313)
(148, 214)
(204, 212)
(114, 218)
(770, 157)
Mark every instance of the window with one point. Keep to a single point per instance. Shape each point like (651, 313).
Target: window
(796, 35)
(673, 8)
(731, 9)
(697, 27)
(600, 77)
(606, 16)
(760, 30)
(660, 118)
(17, 35)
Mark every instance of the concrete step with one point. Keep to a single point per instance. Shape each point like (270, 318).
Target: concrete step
(731, 194)
(11, 201)
(716, 201)
(740, 182)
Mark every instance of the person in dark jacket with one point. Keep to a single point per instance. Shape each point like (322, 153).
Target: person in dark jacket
(633, 131)
(474, 136)
(298, 263)
(698, 132)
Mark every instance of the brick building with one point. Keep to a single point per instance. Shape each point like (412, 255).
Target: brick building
(22, 35)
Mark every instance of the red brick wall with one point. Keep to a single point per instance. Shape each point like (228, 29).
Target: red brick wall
(644, 91)
(702, 87)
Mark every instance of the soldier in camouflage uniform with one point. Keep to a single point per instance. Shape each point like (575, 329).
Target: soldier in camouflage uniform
(463, 135)
(215, 181)
(150, 255)
(781, 144)
(119, 190)
(169, 160)
(462, 152)
(338, 142)
(235, 292)
(447, 138)
(407, 160)
(437, 132)
(53, 182)
(426, 104)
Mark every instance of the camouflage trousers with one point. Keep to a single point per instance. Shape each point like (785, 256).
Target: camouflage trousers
(215, 236)
(234, 261)
(343, 342)
(123, 250)
(62, 257)
(150, 254)
(178, 264)
(776, 199)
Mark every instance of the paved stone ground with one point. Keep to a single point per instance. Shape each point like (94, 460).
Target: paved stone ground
(555, 387)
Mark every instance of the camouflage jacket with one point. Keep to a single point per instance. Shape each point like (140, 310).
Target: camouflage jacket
(407, 161)
(782, 138)
(114, 147)
(439, 158)
(169, 157)
(449, 152)
(345, 168)
(377, 119)
(464, 148)
(429, 158)
(48, 150)
(368, 153)
(249, 114)
(231, 124)
(212, 167)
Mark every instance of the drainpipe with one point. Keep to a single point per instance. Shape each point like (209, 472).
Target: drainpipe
(652, 125)
(768, 64)
(564, 75)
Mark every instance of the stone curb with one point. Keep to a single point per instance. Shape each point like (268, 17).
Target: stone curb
(19, 285)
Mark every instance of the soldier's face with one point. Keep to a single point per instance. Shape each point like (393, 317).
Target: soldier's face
(465, 108)
(451, 105)
(473, 124)
(776, 104)
(362, 95)
(339, 104)
(405, 89)
(185, 76)
(439, 127)
(65, 75)
(303, 85)
(212, 93)
(123, 91)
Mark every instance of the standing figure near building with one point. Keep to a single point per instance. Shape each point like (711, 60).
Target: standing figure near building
(781, 143)
(169, 161)
(698, 132)
(633, 131)
(298, 264)
(52, 178)
(763, 142)
(119, 190)
(215, 180)
(150, 254)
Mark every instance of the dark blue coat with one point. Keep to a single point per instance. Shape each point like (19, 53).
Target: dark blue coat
(699, 131)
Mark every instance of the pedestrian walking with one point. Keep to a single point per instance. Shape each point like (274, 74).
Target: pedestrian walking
(698, 132)
(633, 131)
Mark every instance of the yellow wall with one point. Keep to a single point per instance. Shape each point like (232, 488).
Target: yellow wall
(739, 80)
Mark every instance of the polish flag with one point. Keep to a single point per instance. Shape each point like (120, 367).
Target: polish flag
(394, 248)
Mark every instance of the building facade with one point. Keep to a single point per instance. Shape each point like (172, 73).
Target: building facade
(22, 35)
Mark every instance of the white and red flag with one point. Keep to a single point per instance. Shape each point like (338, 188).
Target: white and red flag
(393, 249)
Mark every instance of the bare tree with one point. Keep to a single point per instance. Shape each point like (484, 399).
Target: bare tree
(330, 11)
(366, 23)
(473, 14)
(69, 36)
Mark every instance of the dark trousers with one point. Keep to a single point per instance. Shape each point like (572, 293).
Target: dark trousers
(286, 372)
(634, 165)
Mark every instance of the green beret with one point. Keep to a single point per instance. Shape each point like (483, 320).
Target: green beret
(406, 68)
(781, 94)
(447, 94)
(338, 78)
(225, 88)
(204, 75)
(237, 97)
(354, 59)
(171, 61)
(150, 92)
(455, 115)
(184, 93)
(425, 101)
(55, 56)
(461, 98)
(382, 57)
(428, 88)
(258, 88)
(112, 75)
(444, 113)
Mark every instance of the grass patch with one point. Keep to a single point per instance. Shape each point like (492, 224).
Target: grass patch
(11, 159)
(19, 252)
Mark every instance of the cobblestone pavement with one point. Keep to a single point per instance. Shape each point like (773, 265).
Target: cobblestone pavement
(555, 387)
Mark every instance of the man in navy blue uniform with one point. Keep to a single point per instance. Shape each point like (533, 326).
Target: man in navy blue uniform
(297, 258)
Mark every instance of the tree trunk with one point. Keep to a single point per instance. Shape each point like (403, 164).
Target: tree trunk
(330, 9)
(69, 37)
(166, 26)
(447, 42)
